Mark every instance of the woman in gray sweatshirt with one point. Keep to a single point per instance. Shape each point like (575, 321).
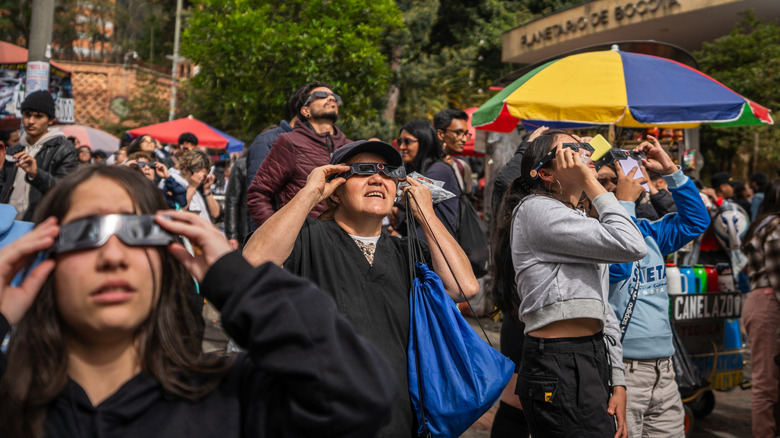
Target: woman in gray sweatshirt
(571, 380)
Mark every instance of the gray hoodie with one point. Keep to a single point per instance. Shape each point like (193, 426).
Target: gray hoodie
(560, 259)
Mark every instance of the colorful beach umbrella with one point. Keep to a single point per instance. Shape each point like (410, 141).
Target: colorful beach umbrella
(620, 88)
(208, 136)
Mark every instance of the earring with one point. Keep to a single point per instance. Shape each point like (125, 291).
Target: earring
(560, 188)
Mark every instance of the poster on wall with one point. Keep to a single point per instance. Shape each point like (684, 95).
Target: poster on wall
(14, 86)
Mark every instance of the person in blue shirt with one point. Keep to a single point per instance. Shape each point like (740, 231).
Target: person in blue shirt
(654, 407)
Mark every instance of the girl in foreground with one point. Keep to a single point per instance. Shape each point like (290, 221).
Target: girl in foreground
(106, 337)
(570, 383)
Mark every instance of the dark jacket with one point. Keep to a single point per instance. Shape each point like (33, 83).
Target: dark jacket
(284, 171)
(258, 150)
(56, 159)
(305, 372)
(235, 202)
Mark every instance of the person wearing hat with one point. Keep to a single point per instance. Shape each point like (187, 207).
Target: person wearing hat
(347, 253)
(722, 187)
(43, 155)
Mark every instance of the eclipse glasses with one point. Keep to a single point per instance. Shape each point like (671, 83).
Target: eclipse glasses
(372, 169)
(551, 155)
(322, 95)
(94, 232)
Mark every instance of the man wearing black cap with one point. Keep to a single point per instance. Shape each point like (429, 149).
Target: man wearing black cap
(348, 255)
(43, 155)
(723, 190)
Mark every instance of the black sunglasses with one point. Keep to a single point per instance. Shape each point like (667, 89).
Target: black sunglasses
(322, 95)
(551, 155)
(372, 169)
(142, 164)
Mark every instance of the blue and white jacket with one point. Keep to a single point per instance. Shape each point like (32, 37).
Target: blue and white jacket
(649, 333)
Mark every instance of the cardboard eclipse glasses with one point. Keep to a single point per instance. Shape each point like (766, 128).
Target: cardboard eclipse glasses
(372, 169)
(551, 155)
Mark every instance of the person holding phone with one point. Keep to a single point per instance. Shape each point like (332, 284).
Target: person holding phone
(194, 166)
(654, 407)
(571, 380)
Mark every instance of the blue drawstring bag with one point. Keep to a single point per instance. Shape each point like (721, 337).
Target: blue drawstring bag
(454, 375)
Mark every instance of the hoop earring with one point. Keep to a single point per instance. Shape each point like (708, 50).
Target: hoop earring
(560, 188)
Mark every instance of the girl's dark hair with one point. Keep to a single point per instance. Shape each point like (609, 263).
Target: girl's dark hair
(428, 149)
(769, 207)
(502, 287)
(169, 340)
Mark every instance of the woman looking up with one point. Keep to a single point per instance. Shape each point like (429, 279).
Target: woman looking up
(106, 337)
(421, 153)
(570, 382)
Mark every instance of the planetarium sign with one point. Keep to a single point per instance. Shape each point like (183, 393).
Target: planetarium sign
(598, 19)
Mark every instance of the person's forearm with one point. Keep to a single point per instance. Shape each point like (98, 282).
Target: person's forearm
(450, 252)
(212, 205)
(274, 240)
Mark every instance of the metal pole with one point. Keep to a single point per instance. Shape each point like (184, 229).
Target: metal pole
(175, 69)
(41, 25)
(39, 47)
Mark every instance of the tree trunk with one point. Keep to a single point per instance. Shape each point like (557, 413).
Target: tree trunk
(394, 93)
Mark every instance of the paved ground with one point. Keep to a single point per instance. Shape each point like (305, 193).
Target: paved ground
(729, 419)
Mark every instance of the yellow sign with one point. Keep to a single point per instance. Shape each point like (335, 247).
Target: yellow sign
(548, 397)
(726, 380)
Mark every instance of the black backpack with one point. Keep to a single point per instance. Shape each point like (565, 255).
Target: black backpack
(472, 236)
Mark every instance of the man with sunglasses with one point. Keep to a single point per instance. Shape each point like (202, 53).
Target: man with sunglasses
(351, 258)
(452, 129)
(295, 154)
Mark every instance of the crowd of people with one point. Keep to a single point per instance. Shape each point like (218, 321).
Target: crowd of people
(305, 257)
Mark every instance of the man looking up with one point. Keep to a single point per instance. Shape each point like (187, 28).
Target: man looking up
(452, 129)
(261, 146)
(295, 154)
(43, 156)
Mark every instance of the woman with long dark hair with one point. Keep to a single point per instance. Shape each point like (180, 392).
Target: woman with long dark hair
(422, 153)
(569, 382)
(107, 339)
(761, 312)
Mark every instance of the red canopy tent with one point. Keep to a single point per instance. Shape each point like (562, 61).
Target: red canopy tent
(169, 132)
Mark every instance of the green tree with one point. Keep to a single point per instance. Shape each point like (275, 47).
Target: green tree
(252, 54)
(451, 53)
(747, 60)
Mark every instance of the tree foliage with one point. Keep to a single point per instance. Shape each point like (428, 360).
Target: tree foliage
(252, 54)
(747, 60)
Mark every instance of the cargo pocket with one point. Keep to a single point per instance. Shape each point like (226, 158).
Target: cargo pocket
(539, 396)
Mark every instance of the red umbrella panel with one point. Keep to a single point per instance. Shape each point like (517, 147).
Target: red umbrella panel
(169, 132)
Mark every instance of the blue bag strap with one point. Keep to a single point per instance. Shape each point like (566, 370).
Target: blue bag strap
(414, 251)
(408, 197)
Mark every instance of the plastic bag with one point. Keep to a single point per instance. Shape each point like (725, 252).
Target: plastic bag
(438, 192)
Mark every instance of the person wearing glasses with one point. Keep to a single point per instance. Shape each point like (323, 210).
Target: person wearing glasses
(452, 130)
(421, 153)
(571, 379)
(174, 193)
(295, 154)
(107, 336)
(347, 254)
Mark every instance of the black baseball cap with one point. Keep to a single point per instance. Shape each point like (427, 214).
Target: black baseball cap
(719, 179)
(384, 150)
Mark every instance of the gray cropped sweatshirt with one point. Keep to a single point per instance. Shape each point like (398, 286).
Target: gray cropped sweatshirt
(560, 259)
